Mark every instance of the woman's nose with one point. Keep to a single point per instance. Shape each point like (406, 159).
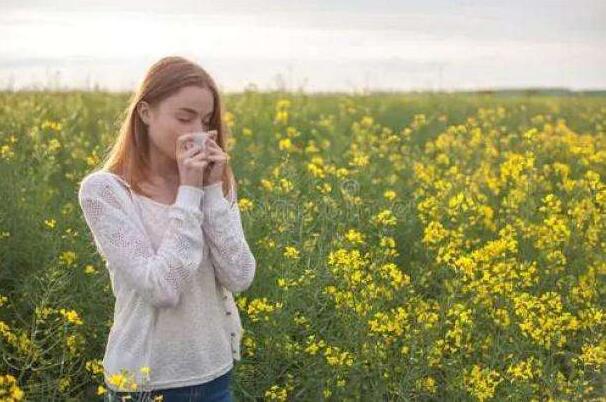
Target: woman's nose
(198, 126)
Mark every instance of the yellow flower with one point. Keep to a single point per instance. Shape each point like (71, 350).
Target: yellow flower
(393, 273)
(94, 366)
(282, 107)
(93, 159)
(594, 355)
(353, 236)
(267, 184)
(359, 161)
(71, 316)
(52, 125)
(341, 173)
(267, 242)
(50, 223)
(313, 346)
(285, 144)
(8, 385)
(260, 306)
(335, 357)
(418, 121)
(434, 233)
(291, 252)
(389, 195)
(68, 258)
(53, 145)
(229, 119)
(324, 188)
(17, 394)
(347, 260)
(283, 104)
(315, 170)
(385, 217)
(387, 241)
(427, 383)
(101, 390)
(245, 204)
(317, 160)
(481, 382)
(311, 147)
(292, 132)
(367, 121)
(6, 152)
(281, 117)
(286, 185)
(119, 380)
(64, 383)
(275, 393)
(73, 342)
(525, 370)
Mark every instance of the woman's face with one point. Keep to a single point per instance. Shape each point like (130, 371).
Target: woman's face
(187, 110)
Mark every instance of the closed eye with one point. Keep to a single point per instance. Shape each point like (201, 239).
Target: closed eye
(207, 122)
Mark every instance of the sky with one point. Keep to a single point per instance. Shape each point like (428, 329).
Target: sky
(328, 45)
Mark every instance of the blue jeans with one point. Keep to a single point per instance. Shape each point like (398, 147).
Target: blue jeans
(217, 390)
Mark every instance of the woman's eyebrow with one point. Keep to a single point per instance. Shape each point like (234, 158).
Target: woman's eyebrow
(192, 111)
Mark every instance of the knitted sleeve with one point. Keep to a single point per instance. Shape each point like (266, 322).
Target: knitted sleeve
(157, 276)
(230, 253)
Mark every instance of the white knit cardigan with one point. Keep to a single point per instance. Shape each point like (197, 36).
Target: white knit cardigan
(174, 309)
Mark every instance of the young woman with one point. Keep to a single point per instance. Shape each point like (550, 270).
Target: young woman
(163, 214)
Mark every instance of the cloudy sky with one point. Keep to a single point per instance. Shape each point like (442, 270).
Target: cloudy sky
(311, 45)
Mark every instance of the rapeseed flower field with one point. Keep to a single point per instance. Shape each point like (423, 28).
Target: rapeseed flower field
(409, 246)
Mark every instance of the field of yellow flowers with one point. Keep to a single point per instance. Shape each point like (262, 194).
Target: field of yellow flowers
(420, 247)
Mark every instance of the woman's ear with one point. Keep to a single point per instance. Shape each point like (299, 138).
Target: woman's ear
(143, 111)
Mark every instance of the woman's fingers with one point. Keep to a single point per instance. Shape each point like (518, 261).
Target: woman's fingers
(218, 157)
(199, 156)
(196, 163)
(211, 144)
(200, 164)
(194, 150)
(196, 157)
(182, 141)
(213, 134)
(214, 149)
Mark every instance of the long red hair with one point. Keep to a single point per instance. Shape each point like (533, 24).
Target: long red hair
(129, 156)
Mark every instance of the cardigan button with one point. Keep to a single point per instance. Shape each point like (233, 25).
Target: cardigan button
(228, 312)
(233, 334)
(224, 297)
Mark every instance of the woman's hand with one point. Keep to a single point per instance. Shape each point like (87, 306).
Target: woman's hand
(191, 162)
(217, 159)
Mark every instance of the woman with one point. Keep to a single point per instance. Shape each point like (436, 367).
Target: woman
(163, 214)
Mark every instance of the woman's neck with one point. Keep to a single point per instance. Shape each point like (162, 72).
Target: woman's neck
(162, 169)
